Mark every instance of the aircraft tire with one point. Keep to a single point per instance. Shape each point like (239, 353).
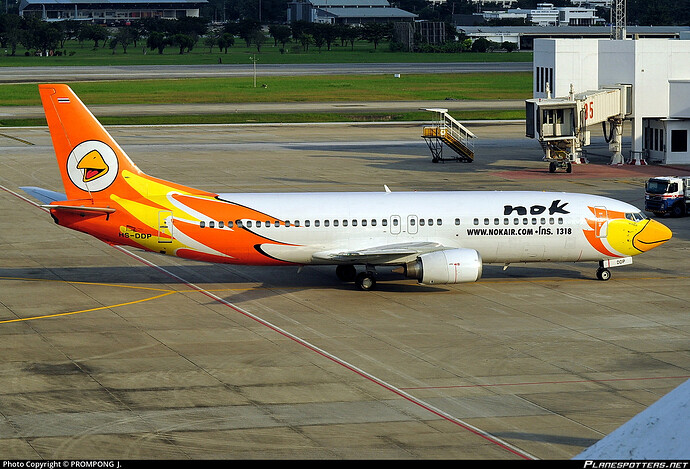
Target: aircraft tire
(366, 281)
(603, 274)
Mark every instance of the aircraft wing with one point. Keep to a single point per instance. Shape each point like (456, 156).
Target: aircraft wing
(378, 254)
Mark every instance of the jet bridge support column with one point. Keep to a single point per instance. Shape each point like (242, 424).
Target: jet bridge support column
(616, 141)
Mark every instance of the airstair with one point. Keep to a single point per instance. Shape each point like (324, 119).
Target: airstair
(447, 131)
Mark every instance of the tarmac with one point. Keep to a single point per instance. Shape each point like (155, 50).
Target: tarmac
(112, 353)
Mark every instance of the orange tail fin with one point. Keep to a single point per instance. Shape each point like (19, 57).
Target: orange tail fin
(89, 159)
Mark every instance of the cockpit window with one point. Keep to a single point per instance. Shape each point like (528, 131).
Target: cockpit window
(635, 216)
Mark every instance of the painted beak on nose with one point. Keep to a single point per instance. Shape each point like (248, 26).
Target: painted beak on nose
(651, 235)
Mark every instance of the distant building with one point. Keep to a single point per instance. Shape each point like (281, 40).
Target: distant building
(524, 36)
(412, 33)
(346, 12)
(109, 11)
(547, 15)
(493, 3)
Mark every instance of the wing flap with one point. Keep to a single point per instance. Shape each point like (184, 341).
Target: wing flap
(378, 254)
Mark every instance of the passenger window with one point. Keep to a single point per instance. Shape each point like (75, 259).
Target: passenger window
(238, 223)
(486, 221)
(354, 222)
(211, 224)
(317, 223)
(560, 221)
(395, 222)
(496, 222)
(344, 222)
(412, 221)
(202, 224)
(364, 223)
(457, 221)
(249, 224)
(476, 221)
(421, 222)
(439, 222)
(287, 223)
(297, 223)
(506, 221)
(516, 221)
(335, 222)
(384, 222)
(373, 222)
(276, 224)
(230, 224)
(307, 223)
(551, 221)
(326, 223)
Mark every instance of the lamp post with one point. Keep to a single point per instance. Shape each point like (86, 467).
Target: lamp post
(253, 59)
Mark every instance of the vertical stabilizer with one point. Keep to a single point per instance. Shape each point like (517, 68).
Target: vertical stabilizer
(90, 161)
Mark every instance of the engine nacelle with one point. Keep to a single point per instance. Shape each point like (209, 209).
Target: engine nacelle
(449, 266)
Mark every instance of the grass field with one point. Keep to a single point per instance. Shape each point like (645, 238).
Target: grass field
(84, 54)
(466, 86)
(343, 88)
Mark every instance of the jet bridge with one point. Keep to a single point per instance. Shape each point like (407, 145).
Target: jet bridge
(562, 124)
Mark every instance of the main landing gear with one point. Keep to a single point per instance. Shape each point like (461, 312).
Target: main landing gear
(364, 280)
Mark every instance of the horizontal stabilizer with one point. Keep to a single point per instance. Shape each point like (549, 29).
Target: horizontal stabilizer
(44, 195)
(80, 208)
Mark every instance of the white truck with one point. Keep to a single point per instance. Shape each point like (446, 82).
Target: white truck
(668, 194)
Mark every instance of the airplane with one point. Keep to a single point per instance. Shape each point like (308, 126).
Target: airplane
(437, 238)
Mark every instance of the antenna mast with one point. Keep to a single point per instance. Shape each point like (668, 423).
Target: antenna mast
(618, 21)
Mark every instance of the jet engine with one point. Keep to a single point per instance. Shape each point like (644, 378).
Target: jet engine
(449, 266)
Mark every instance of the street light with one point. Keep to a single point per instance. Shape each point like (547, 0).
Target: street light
(254, 59)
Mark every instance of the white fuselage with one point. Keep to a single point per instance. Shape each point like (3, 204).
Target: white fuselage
(503, 227)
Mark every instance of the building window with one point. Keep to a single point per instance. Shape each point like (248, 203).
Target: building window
(679, 140)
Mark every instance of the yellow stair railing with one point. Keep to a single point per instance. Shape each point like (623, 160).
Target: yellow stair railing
(450, 132)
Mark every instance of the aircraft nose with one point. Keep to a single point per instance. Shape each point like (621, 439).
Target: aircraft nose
(651, 235)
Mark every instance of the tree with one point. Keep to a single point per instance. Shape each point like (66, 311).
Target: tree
(183, 41)
(10, 31)
(258, 38)
(246, 29)
(94, 33)
(280, 33)
(225, 40)
(211, 40)
(305, 39)
(157, 41)
(324, 33)
(349, 34)
(39, 35)
(124, 37)
(376, 32)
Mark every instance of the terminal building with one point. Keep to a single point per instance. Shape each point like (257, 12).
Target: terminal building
(109, 11)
